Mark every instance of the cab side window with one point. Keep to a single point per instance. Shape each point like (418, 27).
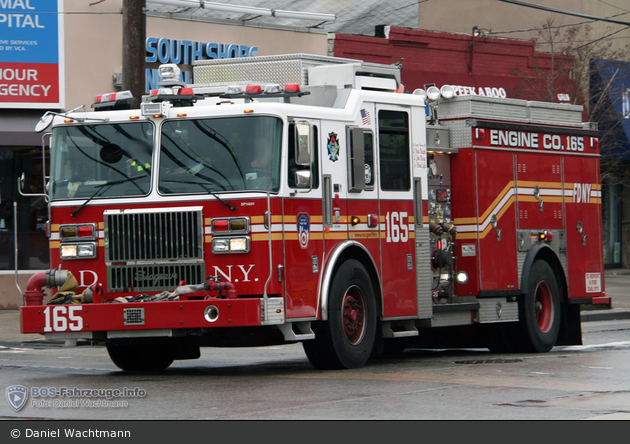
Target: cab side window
(361, 170)
(293, 166)
(393, 146)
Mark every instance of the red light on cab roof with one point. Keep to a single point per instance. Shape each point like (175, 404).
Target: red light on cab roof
(253, 89)
(292, 88)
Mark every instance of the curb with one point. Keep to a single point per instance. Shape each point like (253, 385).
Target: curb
(604, 315)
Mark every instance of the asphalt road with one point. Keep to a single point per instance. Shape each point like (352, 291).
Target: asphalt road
(278, 383)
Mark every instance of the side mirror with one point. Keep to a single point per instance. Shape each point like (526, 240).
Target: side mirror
(303, 143)
(44, 122)
(303, 179)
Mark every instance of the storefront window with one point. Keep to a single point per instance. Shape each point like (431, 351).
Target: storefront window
(611, 219)
(32, 212)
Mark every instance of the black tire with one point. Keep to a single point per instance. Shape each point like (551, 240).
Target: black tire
(387, 347)
(501, 338)
(140, 355)
(346, 339)
(539, 310)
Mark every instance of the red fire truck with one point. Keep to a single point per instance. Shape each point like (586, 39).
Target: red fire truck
(303, 198)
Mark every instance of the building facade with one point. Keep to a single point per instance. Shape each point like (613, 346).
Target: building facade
(58, 55)
(599, 29)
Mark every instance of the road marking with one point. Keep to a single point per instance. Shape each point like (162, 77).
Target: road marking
(590, 347)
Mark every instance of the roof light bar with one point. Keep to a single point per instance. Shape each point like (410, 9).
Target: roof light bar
(114, 100)
(268, 90)
(182, 96)
(112, 97)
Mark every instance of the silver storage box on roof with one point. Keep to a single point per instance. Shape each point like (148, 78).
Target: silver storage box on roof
(481, 107)
(303, 69)
(514, 110)
(547, 113)
(282, 69)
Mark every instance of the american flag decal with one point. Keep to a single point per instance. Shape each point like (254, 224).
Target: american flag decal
(365, 116)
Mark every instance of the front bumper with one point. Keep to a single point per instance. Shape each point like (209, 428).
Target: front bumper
(84, 321)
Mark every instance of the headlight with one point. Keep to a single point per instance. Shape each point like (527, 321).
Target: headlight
(238, 244)
(220, 245)
(461, 277)
(78, 251)
(230, 245)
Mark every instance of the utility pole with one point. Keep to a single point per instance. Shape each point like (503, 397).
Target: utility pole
(134, 54)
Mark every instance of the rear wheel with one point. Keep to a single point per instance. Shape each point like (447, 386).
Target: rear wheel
(141, 355)
(346, 339)
(540, 310)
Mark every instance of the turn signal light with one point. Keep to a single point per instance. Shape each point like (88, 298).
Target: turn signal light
(77, 232)
(230, 225)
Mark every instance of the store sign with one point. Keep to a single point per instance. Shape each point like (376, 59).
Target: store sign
(487, 91)
(31, 54)
(185, 52)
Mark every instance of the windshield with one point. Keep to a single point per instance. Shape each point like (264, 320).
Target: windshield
(220, 154)
(101, 160)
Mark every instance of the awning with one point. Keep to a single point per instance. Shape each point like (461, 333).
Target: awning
(17, 127)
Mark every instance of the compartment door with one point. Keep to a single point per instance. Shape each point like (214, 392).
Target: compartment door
(584, 237)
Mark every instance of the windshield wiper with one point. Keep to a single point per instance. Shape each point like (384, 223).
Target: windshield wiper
(227, 204)
(213, 193)
(101, 189)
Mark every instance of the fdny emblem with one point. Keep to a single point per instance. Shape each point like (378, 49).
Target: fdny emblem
(17, 396)
(304, 228)
(333, 147)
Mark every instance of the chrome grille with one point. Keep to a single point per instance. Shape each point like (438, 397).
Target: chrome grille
(161, 234)
(155, 277)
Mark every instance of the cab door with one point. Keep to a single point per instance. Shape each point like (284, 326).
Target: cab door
(396, 210)
(364, 222)
(302, 221)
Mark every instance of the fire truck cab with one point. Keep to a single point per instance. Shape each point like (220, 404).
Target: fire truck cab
(303, 198)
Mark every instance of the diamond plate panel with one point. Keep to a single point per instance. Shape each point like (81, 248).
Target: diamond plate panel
(497, 310)
(283, 69)
(424, 275)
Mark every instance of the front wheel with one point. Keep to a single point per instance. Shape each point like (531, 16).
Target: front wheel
(540, 310)
(346, 339)
(141, 355)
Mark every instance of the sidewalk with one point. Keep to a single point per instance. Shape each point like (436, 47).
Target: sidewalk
(617, 285)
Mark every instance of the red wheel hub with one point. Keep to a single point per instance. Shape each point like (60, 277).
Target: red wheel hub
(544, 307)
(353, 311)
